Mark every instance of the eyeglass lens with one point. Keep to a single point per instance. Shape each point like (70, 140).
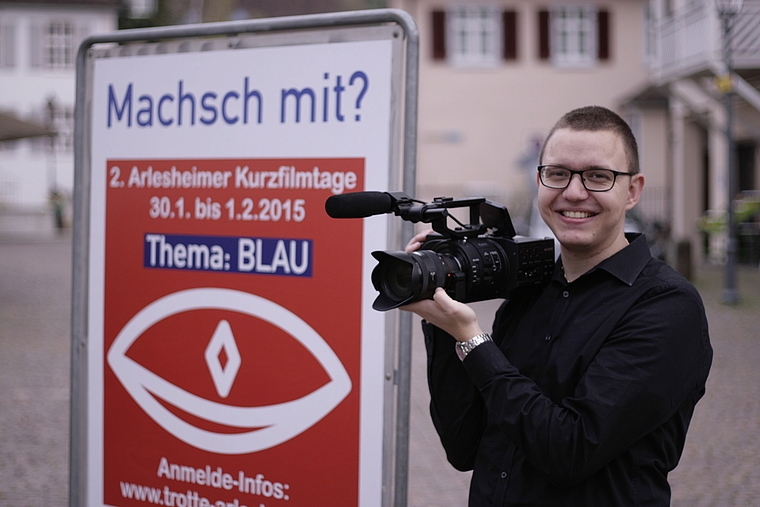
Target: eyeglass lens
(593, 179)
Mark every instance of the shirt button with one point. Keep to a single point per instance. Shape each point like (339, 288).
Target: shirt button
(504, 475)
(565, 294)
(548, 337)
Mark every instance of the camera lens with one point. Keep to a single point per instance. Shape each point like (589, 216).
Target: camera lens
(394, 278)
(402, 278)
(470, 270)
(397, 279)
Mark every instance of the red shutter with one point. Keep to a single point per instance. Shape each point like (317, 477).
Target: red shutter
(439, 35)
(603, 19)
(509, 28)
(543, 35)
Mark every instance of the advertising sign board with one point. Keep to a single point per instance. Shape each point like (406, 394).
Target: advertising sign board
(232, 356)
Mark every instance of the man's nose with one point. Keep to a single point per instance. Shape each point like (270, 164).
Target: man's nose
(576, 189)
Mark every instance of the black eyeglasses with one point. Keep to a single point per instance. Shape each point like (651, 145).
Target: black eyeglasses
(594, 180)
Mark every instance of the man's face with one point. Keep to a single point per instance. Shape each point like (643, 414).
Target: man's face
(588, 224)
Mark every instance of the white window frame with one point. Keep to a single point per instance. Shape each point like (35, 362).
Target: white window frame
(474, 35)
(574, 35)
(58, 46)
(61, 119)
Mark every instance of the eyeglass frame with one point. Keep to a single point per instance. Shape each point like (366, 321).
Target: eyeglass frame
(573, 172)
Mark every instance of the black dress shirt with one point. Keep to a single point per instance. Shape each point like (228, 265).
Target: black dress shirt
(586, 393)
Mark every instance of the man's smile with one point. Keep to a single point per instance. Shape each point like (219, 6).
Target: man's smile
(576, 214)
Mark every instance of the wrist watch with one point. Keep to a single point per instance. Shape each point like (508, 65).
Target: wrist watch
(464, 348)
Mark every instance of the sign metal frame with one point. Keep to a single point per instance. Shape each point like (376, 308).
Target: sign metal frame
(278, 31)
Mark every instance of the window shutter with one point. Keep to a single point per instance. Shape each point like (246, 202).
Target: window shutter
(439, 35)
(509, 28)
(543, 35)
(36, 56)
(7, 46)
(603, 19)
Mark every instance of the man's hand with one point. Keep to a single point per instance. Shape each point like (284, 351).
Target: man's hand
(416, 242)
(457, 319)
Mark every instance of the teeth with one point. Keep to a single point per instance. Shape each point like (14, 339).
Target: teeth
(576, 214)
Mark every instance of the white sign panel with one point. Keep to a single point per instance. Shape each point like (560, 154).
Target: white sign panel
(233, 356)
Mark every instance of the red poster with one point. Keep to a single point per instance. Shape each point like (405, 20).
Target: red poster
(231, 333)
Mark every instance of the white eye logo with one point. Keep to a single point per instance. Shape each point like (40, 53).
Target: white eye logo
(270, 425)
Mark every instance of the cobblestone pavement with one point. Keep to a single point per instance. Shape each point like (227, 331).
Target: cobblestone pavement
(34, 372)
(720, 466)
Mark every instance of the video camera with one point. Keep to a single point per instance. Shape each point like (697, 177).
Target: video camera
(481, 260)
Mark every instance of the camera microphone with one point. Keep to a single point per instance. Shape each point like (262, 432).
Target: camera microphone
(359, 204)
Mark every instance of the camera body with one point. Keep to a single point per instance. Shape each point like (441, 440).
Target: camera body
(481, 260)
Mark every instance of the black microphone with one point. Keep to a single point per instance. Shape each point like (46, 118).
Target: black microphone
(359, 204)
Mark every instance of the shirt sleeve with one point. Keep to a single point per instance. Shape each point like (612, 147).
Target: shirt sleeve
(456, 405)
(651, 367)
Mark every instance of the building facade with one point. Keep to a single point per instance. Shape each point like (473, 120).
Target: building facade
(494, 77)
(689, 70)
(38, 47)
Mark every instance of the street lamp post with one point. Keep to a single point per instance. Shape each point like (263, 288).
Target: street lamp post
(728, 9)
(52, 169)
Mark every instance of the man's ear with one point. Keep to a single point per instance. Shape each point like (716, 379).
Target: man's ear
(634, 190)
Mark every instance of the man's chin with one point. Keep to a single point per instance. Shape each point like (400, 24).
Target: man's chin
(572, 238)
(574, 244)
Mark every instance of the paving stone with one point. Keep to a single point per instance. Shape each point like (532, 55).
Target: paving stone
(720, 466)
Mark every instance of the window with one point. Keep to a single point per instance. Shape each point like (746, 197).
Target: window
(471, 35)
(574, 35)
(60, 119)
(474, 33)
(54, 43)
(7, 45)
(58, 45)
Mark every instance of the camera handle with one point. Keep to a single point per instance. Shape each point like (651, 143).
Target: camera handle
(494, 216)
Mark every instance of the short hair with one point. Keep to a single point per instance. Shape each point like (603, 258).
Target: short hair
(596, 118)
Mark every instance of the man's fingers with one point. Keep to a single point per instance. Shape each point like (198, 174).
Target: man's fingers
(415, 243)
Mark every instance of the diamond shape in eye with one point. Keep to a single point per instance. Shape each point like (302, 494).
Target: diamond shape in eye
(223, 372)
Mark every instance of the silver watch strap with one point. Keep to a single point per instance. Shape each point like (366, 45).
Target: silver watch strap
(464, 348)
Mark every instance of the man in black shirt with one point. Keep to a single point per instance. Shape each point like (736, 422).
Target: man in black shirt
(585, 392)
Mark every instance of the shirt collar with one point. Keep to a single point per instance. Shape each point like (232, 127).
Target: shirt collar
(625, 265)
